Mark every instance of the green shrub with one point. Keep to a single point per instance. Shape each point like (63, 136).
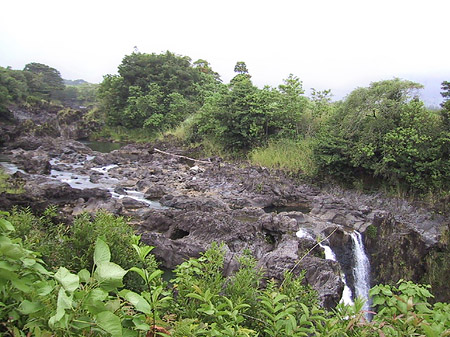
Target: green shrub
(72, 246)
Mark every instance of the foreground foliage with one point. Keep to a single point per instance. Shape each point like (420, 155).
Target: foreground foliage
(199, 302)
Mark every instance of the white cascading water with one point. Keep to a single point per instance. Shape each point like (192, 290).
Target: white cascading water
(361, 269)
(347, 293)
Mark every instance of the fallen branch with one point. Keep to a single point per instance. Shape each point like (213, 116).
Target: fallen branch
(184, 157)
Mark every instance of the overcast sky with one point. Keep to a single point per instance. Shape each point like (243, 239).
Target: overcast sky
(328, 44)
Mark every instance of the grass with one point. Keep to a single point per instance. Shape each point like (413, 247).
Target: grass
(6, 186)
(293, 156)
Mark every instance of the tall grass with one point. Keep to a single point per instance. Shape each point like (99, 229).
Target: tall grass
(293, 156)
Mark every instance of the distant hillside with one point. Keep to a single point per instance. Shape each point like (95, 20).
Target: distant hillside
(75, 82)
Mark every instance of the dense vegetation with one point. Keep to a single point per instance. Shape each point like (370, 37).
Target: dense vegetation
(40, 296)
(38, 85)
(381, 136)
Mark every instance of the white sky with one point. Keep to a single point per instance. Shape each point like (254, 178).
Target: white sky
(336, 44)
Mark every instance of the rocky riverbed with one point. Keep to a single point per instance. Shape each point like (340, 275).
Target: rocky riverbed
(181, 206)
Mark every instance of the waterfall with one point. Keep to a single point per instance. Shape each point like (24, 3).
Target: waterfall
(347, 293)
(361, 269)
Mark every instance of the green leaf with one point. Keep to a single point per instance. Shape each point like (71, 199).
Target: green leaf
(139, 323)
(101, 252)
(110, 323)
(378, 300)
(12, 250)
(155, 274)
(7, 266)
(28, 262)
(139, 271)
(64, 302)
(21, 285)
(44, 287)
(84, 275)
(27, 307)
(6, 225)
(137, 300)
(69, 281)
(94, 301)
(109, 275)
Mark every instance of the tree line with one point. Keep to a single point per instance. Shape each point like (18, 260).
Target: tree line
(378, 136)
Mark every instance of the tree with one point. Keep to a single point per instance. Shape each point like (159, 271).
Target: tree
(13, 88)
(240, 68)
(172, 73)
(292, 106)
(205, 68)
(445, 86)
(242, 72)
(42, 79)
(151, 90)
(385, 131)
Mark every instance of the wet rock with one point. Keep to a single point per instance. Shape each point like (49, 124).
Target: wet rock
(37, 162)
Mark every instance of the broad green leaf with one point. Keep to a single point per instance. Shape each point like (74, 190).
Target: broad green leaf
(28, 262)
(21, 284)
(12, 250)
(40, 269)
(130, 333)
(109, 275)
(101, 252)
(64, 302)
(137, 300)
(378, 300)
(44, 287)
(4, 265)
(69, 281)
(27, 307)
(8, 275)
(6, 225)
(84, 275)
(139, 323)
(94, 301)
(110, 323)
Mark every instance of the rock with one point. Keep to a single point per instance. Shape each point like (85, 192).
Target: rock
(154, 192)
(324, 277)
(37, 162)
(226, 204)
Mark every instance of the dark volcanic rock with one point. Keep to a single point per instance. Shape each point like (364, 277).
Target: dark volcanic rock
(220, 202)
(32, 162)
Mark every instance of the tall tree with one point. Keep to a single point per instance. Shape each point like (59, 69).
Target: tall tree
(43, 79)
(445, 86)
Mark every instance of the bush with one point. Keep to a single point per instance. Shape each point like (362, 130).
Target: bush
(72, 246)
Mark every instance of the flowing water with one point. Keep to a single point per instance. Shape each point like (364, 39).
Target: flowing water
(329, 255)
(82, 181)
(347, 293)
(361, 269)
